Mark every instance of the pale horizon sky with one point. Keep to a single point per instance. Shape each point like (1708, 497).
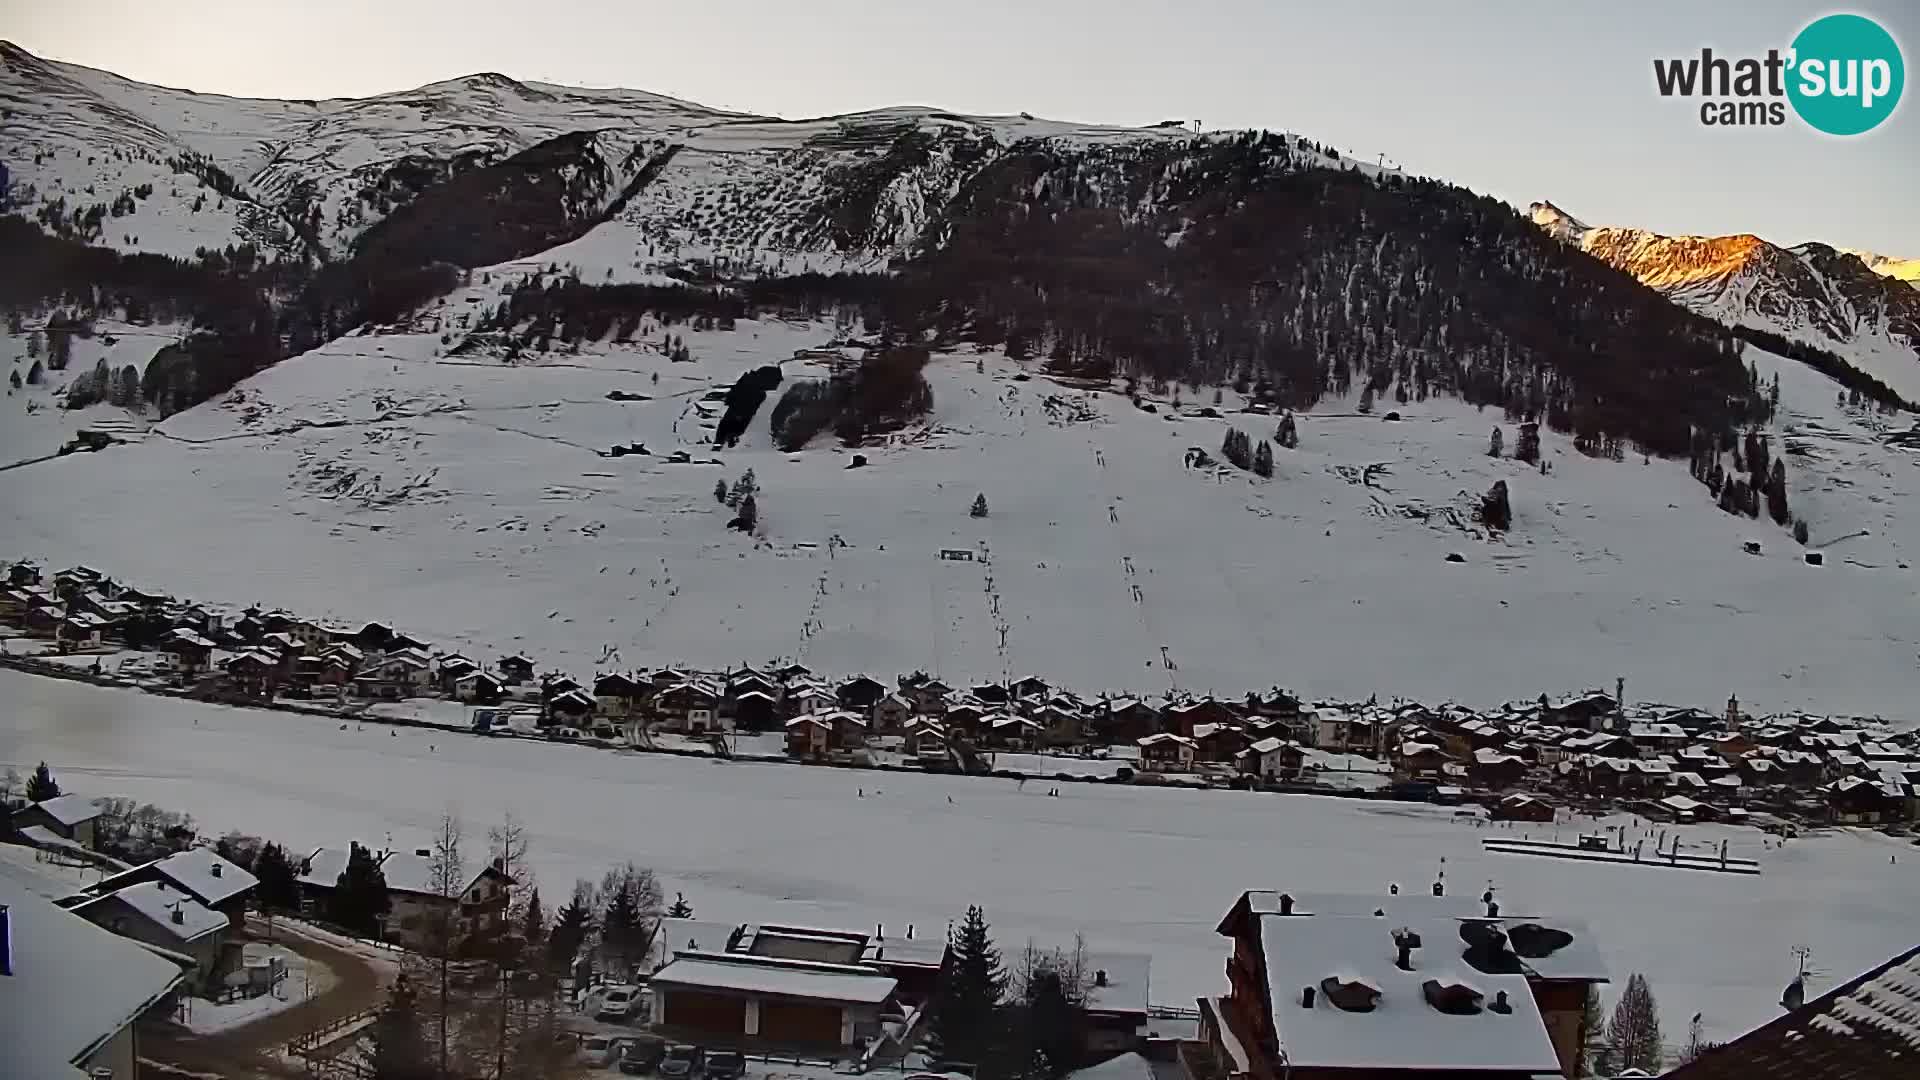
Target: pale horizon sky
(1496, 95)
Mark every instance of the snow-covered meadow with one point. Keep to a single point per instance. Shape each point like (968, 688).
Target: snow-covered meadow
(463, 499)
(1132, 868)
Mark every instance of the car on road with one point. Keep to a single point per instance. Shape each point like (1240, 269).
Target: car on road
(618, 1003)
(683, 1061)
(643, 1055)
(725, 1065)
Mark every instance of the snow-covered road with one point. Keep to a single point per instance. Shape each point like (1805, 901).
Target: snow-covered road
(1132, 868)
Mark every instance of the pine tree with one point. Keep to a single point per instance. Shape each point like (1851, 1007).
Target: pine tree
(41, 786)
(533, 923)
(1366, 398)
(1288, 434)
(278, 887)
(680, 909)
(745, 486)
(979, 509)
(33, 345)
(1777, 493)
(1495, 511)
(1263, 459)
(359, 899)
(34, 374)
(1800, 531)
(720, 491)
(1493, 444)
(13, 379)
(1594, 1057)
(966, 1015)
(1633, 1035)
(749, 517)
(571, 927)
(399, 1047)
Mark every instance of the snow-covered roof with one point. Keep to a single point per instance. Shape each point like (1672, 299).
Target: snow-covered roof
(1406, 904)
(201, 872)
(1127, 977)
(73, 987)
(187, 637)
(774, 977)
(1403, 1030)
(408, 871)
(324, 867)
(693, 935)
(1164, 737)
(69, 810)
(157, 901)
(1128, 1066)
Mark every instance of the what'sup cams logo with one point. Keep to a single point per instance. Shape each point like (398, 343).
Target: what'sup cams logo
(1842, 75)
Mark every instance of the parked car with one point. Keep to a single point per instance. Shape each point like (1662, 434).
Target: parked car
(601, 1051)
(725, 1065)
(618, 1003)
(643, 1055)
(683, 1061)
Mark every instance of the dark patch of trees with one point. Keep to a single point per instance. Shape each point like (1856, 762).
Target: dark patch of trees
(743, 403)
(1828, 364)
(886, 391)
(1495, 512)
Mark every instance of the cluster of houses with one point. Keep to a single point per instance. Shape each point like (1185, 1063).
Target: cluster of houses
(1685, 763)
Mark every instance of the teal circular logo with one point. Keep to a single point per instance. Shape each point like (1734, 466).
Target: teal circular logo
(1847, 74)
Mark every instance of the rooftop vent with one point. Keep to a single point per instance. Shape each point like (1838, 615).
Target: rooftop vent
(178, 916)
(1454, 999)
(1100, 977)
(1306, 997)
(1405, 941)
(1349, 995)
(1500, 1003)
(215, 870)
(1286, 904)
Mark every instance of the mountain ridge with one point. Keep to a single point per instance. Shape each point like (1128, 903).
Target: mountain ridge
(1831, 298)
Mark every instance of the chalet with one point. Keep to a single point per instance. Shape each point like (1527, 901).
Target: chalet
(478, 688)
(81, 630)
(991, 694)
(759, 1001)
(1218, 742)
(515, 669)
(75, 579)
(809, 699)
(1059, 726)
(748, 681)
(790, 672)
(1277, 705)
(200, 873)
(191, 652)
(1116, 1001)
(1007, 731)
(157, 914)
(42, 621)
(472, 908)
(1680, 808)
(1397, 986)
(571, 707)
(1855, 800)
(21, 574)
(406, 642)
(753, 710)
(1489, 768)
(449, 669)
(809, 736)
(1272, 759)
(1529, 808)
(926, 737)
(65, 817)
(1124, 721)
(1420, 761)
(616, 695)
(1166, 752)
(929, 696)
(1185, 717)
(253, 673)
(964, 718)
(891, 713)
(1859, 1030)
(73, 996)
(849, 729)
(1031, 686)
(860, 693)
(1593, 710)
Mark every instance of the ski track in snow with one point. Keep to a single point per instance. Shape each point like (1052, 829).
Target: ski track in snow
(1133, 868)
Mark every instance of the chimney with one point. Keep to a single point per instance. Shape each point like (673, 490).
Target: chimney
(1286, 904)
(880, 931)
(1100, 977)
(6, 942)
(909, 931)
(215, 869)
(179, 917)
(1500, 1003)
(1306, 997)
(1405, 941)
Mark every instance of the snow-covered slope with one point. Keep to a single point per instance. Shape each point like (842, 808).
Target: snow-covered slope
(464, 499)
(1850, 303)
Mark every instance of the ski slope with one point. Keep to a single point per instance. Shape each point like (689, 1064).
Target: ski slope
(463, 499)
(1134, 869)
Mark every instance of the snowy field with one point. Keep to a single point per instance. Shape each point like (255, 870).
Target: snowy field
(463, 500)
(1132, 868)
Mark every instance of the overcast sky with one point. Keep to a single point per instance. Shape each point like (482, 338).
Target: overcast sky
(1504, 97)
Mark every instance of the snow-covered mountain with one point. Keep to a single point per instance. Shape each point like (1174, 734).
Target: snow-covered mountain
(1853, 304)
